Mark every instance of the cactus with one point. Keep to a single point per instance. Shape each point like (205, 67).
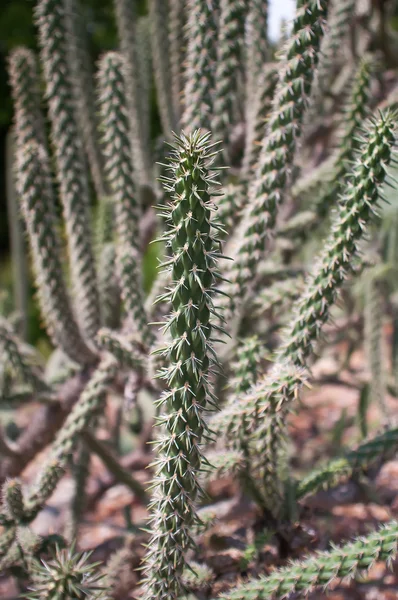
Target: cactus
(125, 17)
(210, 63)
(118, 166)
(279, 144)
(231, 27)
(256, 38)
(74, 193)
(67, 575)
(201, 56)
(190, 355)
(35, 192)
(322, 569)
(341, 468)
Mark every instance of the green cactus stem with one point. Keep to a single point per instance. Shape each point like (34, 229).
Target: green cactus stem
(257, 44)
(356, 113)
(229, 54)
(126, 23)
(272, 175)
(201, 56)
(177, 18)
(69, 158)
(83, 86)
(159, 18)
(190, 356)
(118, 165)
(36, 197)
(320, 570)
(339, 469)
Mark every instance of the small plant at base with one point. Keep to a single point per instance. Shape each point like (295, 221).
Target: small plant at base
(68, 575)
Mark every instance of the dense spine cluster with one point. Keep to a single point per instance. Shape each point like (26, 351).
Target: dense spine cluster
(190, 356)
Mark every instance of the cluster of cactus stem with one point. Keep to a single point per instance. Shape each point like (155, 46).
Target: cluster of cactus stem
(241, 314)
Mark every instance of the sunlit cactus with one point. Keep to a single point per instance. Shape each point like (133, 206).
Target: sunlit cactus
(194, 136)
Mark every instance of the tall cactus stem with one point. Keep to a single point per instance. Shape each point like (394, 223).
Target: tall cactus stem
(159, 17)
(126, 19)
(69, 158)
(200, 61)
(190, 357)
(114, 116)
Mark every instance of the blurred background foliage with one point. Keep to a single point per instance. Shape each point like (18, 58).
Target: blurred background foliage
(17, 28)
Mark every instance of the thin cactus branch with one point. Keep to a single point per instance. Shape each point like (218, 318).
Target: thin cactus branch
(25, 88)
(177, 18)
(312, 310)
(126, 22)
(357, 110)
(190, 357)
(6, 540)
(13, 499)
(144, 56)
(159, 18)
(374, 346)
(84, 411)
(109, 287)
(229, 51)
(201, 57)
(81, 472)
(118, 166)
(36, 196)
(341, 16)
(340, 468)
(70, 164)
(256, 38)
(15, 353)
(256, 119)
(357, 208)
(272, 175)
(17, 242)
(83, 86)
(320, 570)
